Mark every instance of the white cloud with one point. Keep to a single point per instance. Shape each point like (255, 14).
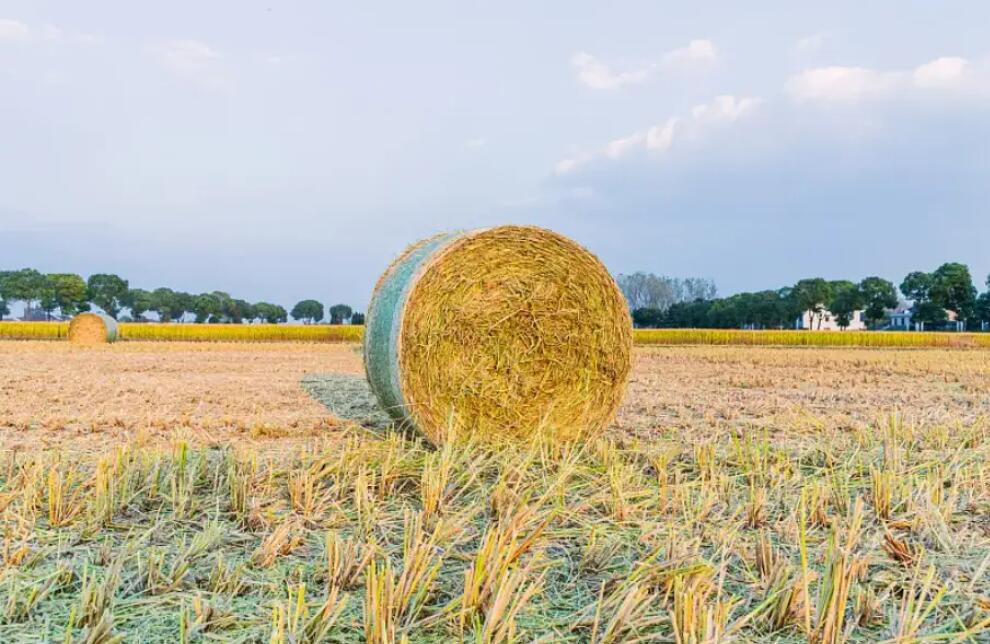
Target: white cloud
(13, 30)
(191, 60)
(594, 73)
(661, 137)
(948, 76)
(948, 71)
(697, 52)
(723, 110)
(620, 147)
(841, 84)
(597, 75)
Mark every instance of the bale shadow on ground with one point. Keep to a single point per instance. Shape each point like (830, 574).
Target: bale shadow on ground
(348, 397)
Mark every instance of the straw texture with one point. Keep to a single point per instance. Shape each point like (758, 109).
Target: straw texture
(92, 328)
(499, 333)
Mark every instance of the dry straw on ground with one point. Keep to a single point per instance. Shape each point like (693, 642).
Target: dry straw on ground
(502, 333)
(92, 328)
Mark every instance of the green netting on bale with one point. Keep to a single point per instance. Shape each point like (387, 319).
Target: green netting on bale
(384, 321)
(113, 331)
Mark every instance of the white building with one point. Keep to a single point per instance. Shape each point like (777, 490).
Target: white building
(901, 319)
(826, 321)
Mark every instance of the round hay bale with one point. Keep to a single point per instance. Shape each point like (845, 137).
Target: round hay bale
(92, 328)
(498, 333)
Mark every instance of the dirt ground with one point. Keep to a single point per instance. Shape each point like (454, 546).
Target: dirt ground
(53, 394)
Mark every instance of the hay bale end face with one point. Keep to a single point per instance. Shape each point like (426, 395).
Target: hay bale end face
(499, 333)
(92, 328)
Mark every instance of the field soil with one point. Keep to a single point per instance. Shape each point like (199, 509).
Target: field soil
(53, 394)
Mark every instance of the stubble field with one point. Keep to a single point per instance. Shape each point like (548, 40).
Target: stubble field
(198, 492)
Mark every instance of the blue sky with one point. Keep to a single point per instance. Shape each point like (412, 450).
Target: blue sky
(289, 150)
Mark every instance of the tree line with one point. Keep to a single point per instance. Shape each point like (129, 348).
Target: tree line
(68, 294)
(949, 288)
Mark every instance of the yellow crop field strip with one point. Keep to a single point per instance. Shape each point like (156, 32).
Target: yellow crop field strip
(352, 333)
(242, 332)
(878, 339)
(33, 330)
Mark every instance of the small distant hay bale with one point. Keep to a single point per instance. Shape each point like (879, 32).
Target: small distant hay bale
(92, 328)
(498, 333)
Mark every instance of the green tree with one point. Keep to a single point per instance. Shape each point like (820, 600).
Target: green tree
(170, 305)
(107, 291)
(46, 299)
(26, 285)
(181, 304)
(917, 286)
(4, 309)
(648, 318)
(139, 301)
(68, 292)
(846, 300)
(239, 310)
(878, 296)
(952, 289)
(225, 304)
(270, 313)
(310, 311)
(205, 306)
(357, 318)
(928, 312)
(812, 295)
(982, 308)
(339, 313)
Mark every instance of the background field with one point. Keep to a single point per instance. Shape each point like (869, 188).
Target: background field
(163, 491)
(350, 333)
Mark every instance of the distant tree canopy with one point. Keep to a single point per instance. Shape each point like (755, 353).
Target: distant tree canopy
(310, 311)
(878, 296)
(983, 305)
(138, 301)
(813, 295)
(777, 309)
(649, 291)
(949, 288)
(339, 313)
(108, 292)
(270, 313)
(847, 298)
(67, 294)
(26, 285)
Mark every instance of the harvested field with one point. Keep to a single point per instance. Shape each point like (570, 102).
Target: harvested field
(53, 392)
(196, 492)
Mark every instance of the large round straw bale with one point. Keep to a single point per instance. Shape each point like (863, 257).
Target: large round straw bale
(498, 333)
(92, 328)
